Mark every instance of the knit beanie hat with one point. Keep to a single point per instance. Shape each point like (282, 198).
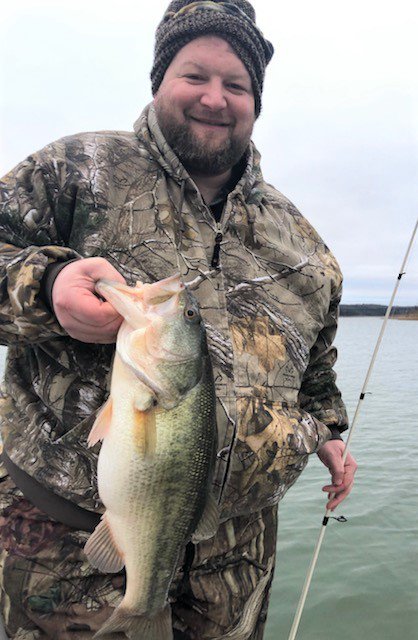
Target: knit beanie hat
(234, 21)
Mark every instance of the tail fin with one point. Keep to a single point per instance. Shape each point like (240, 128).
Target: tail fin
(139, 627)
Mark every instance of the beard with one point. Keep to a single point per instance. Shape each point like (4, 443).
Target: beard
(198, 155)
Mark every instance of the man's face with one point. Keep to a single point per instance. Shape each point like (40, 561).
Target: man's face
(205, 106)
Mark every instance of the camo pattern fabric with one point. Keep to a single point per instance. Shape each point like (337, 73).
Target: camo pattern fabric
(49, 590)
(270, 309)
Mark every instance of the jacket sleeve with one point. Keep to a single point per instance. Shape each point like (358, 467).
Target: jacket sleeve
(319, 394)
(35, 217)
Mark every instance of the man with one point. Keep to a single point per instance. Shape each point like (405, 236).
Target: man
(183, 193)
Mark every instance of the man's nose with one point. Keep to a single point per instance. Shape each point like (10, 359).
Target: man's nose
(213, 96)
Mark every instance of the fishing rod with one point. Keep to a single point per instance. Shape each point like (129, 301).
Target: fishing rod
(327, 516)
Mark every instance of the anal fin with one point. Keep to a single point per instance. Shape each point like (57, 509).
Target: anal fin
(101, 549)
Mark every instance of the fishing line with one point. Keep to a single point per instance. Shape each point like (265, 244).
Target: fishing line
(327, 516)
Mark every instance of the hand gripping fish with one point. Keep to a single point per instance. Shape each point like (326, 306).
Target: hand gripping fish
(159, 444)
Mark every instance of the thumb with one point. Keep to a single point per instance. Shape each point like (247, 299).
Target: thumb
(337, 472)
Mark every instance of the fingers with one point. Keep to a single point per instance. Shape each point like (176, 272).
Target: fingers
(335, 498)
(337, 475)
(339, 490)
(84, 315)
(97, 269)
(90, 310)
(345, 477)
(103, 334)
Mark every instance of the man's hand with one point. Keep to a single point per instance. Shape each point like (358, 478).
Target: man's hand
(79, 311)
(342, 475)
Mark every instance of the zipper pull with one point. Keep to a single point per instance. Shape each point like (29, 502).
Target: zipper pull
(216, 250)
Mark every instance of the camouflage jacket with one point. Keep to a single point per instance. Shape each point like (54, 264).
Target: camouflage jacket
(270, 309)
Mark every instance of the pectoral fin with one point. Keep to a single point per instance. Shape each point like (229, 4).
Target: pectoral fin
(145, 432)
(209, 521)
(101, 425)
(101, 549)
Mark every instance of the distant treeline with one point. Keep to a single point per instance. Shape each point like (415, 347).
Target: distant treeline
(404, 313)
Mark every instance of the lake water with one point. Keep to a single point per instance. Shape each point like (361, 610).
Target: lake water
(366, 581)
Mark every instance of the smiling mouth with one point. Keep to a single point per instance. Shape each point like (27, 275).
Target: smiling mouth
(211, 123)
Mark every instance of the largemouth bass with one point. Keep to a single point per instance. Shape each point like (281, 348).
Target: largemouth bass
(159, 444)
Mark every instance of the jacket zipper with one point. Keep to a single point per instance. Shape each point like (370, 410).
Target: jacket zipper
(217, 246)
(215, 265)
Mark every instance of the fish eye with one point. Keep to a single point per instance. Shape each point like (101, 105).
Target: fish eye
(191, 314)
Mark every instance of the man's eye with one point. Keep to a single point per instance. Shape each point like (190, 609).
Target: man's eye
(193, 76)
(236, 87)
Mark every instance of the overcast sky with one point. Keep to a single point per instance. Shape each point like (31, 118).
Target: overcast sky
(338, 132)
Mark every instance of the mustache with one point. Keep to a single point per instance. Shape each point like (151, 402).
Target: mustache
(210, 119)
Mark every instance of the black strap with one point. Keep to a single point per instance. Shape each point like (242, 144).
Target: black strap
(54, 506)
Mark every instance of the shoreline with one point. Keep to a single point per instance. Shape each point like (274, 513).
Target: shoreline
(379, 310)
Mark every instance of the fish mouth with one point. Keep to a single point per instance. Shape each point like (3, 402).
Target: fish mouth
(132, 303)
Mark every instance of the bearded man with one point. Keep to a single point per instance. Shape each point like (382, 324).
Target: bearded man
(183, 193)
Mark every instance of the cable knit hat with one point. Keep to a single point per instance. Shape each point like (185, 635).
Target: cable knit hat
(234, 21)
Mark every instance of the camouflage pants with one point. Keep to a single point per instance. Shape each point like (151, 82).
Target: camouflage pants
(49, 590)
